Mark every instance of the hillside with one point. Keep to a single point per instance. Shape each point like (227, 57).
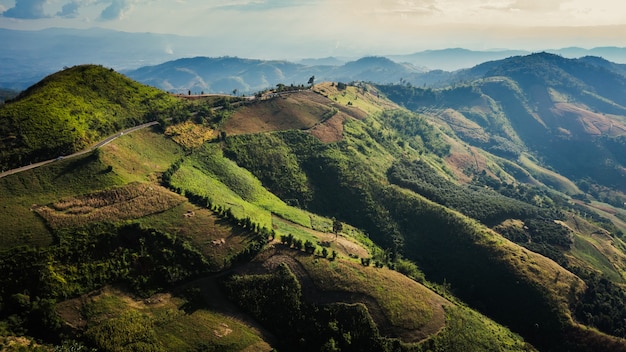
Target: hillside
(564, 112)
(319, 219)
(72, 109)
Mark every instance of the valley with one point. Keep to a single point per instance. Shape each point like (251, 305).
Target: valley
(487, 215)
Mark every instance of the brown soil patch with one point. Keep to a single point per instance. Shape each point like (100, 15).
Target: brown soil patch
(284, 111)
(462, 158)
(331, 130)
(581, 122)
(122, 203)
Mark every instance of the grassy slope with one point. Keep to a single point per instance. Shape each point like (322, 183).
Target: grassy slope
(490, 272)
(44, 185)
(113, 319)
(209, 172)
(134, 157)
(72, 109)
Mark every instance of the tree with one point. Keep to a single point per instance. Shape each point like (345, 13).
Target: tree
(309, 247)
(235, 91)
(311, 81)
(337, 227)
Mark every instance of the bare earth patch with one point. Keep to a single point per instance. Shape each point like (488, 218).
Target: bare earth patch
(579, 121)
(286, 111)
(132, 201)
(331, 130)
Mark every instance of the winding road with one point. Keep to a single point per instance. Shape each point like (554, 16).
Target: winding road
(102, 143)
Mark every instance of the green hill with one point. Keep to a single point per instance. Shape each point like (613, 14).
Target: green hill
(72, 109)
(355, 225)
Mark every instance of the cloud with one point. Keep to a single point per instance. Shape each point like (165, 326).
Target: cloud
(537, 5)
(69, 10)
(264, 5)
(116, 10)
(26, 9)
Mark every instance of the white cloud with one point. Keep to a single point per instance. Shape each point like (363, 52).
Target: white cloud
(116, 10)
(26, 9)
(69, 10)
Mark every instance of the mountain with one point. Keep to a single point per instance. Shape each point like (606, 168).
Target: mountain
(454, 58)
(565, 112)
(225, 74)
(29, 56)
(324, 218)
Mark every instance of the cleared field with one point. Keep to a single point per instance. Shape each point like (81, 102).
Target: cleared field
(299, 110)
(132, 201)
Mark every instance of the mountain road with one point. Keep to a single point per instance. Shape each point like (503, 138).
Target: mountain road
(102, 143)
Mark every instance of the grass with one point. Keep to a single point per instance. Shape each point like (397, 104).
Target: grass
(72, 109)
(128, 202)
(230, 186)
(141, 155)
(217, 239)
(407, 304)
(21, 192)
(548, 177)
(115, 321)
(134, 157)
(467, 330)
(585, 249)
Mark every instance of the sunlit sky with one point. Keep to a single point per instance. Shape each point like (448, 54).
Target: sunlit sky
(318, 28)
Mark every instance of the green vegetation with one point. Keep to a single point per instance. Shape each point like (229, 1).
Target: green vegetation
(208, 174)
(320, 239)
(116, 322)
(71, 110)
(485, 205)
(420, 134)
(20, 192)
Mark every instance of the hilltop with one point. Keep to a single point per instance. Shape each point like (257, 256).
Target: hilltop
(72, 109)
(324, 218)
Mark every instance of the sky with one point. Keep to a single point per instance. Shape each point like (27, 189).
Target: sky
(320, 28)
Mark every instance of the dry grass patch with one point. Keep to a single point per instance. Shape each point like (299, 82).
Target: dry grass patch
(300, 110)
(584, 122)
(190, 135)
(356, 102)
(331, 130)
(122, 203)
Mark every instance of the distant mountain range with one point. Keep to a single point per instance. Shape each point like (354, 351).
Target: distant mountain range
(227, 74)
(28, 56)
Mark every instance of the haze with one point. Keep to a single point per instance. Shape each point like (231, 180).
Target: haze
(308, 28)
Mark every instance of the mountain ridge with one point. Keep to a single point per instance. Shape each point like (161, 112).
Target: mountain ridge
(383, 187)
